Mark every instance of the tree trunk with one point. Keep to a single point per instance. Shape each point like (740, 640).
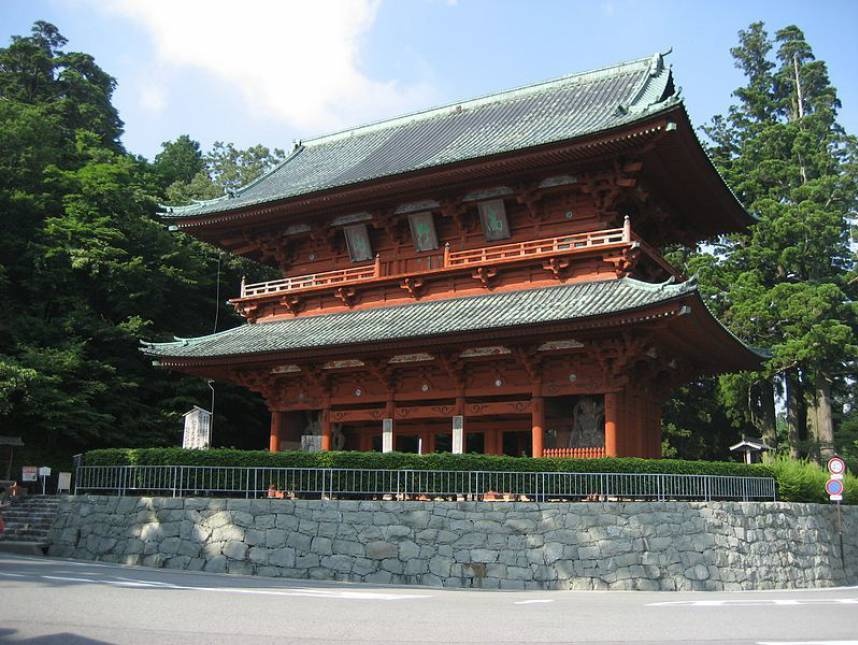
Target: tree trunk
(796, 428)
(819, 417)
(762, 397)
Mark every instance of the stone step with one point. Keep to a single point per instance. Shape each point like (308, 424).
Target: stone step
(24, 536)
(28, 522)
(22, 515)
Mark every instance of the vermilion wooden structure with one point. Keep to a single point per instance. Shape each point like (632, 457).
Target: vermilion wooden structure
(493, 265)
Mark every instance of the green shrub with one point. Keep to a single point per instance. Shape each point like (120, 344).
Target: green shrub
(803, 481)
(403, 461)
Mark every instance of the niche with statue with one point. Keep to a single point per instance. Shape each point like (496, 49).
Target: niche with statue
(575, 421)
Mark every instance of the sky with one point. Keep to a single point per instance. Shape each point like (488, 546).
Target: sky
(276, 71)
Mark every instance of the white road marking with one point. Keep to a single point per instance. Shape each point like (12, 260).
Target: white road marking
(807, 642)
(530, 602)
(12, 575)
(337, 594)
(758, 602)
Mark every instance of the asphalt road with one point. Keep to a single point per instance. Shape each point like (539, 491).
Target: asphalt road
(61, 601)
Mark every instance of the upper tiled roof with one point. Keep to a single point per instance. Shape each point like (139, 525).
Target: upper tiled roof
(428, 319)
(562, 109)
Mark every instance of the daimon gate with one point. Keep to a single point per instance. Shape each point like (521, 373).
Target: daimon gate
(483, 277)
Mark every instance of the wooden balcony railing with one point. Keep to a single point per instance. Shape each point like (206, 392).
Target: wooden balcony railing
(561, 244)
(326, 279)
(575, 453)
(548, 246)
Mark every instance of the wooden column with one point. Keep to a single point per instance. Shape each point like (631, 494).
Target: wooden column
(278, 429)
(538, 423)
(495, 443)
(325, 422)
(611, 424)
(365, 441)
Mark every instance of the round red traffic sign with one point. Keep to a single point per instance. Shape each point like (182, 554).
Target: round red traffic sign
(834, 487)
(836, 466)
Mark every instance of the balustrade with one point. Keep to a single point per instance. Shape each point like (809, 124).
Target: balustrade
(452, 260)
(595, 452)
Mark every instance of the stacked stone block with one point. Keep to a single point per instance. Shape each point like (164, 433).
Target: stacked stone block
(646, 546)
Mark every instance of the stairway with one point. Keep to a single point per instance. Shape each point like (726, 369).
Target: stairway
(28, 520)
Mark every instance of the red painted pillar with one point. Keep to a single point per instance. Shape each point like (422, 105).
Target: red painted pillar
(325, 422)
(278, 429)
(611, 405)
(537, 408)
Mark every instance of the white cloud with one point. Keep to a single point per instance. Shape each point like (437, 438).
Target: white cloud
(152, 96)
(297, 62)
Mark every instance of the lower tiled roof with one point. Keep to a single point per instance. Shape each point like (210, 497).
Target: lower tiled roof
(427, 319)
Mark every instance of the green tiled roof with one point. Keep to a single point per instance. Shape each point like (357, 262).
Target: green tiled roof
(559, 110)
(431, 319)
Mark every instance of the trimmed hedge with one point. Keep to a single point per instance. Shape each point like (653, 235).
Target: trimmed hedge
(410, 461)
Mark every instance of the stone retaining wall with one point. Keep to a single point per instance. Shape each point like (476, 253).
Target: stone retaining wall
(650, 546)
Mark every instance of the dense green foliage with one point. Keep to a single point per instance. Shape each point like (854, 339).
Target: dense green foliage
(789, 283)
(87, 270)
(803, 481)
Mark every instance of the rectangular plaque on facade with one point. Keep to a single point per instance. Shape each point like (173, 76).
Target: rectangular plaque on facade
(357, 241)
(493, 219)
(387, 435)
(458, 434)
(423, 231)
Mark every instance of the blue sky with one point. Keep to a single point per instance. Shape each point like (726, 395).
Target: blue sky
(271, 72)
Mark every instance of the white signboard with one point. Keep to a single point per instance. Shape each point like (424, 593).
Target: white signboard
(387, 435)
(458, 434)
(44, 471)
(311, 442)
(29, 473)
(64, 482)
(198, 428)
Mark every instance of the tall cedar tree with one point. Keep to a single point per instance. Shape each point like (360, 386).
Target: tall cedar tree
(790, 281)
(86, 269)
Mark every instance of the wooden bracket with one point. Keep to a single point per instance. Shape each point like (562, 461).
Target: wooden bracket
(391, 224)
(556, 266)
(626, 260)
(348, 296)
(457, 210)
(383, 372)
(292, 304)
(454, 368)
(530, 196)
(414, 286)
(485, 275)
(248, 310)
(530, 360)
